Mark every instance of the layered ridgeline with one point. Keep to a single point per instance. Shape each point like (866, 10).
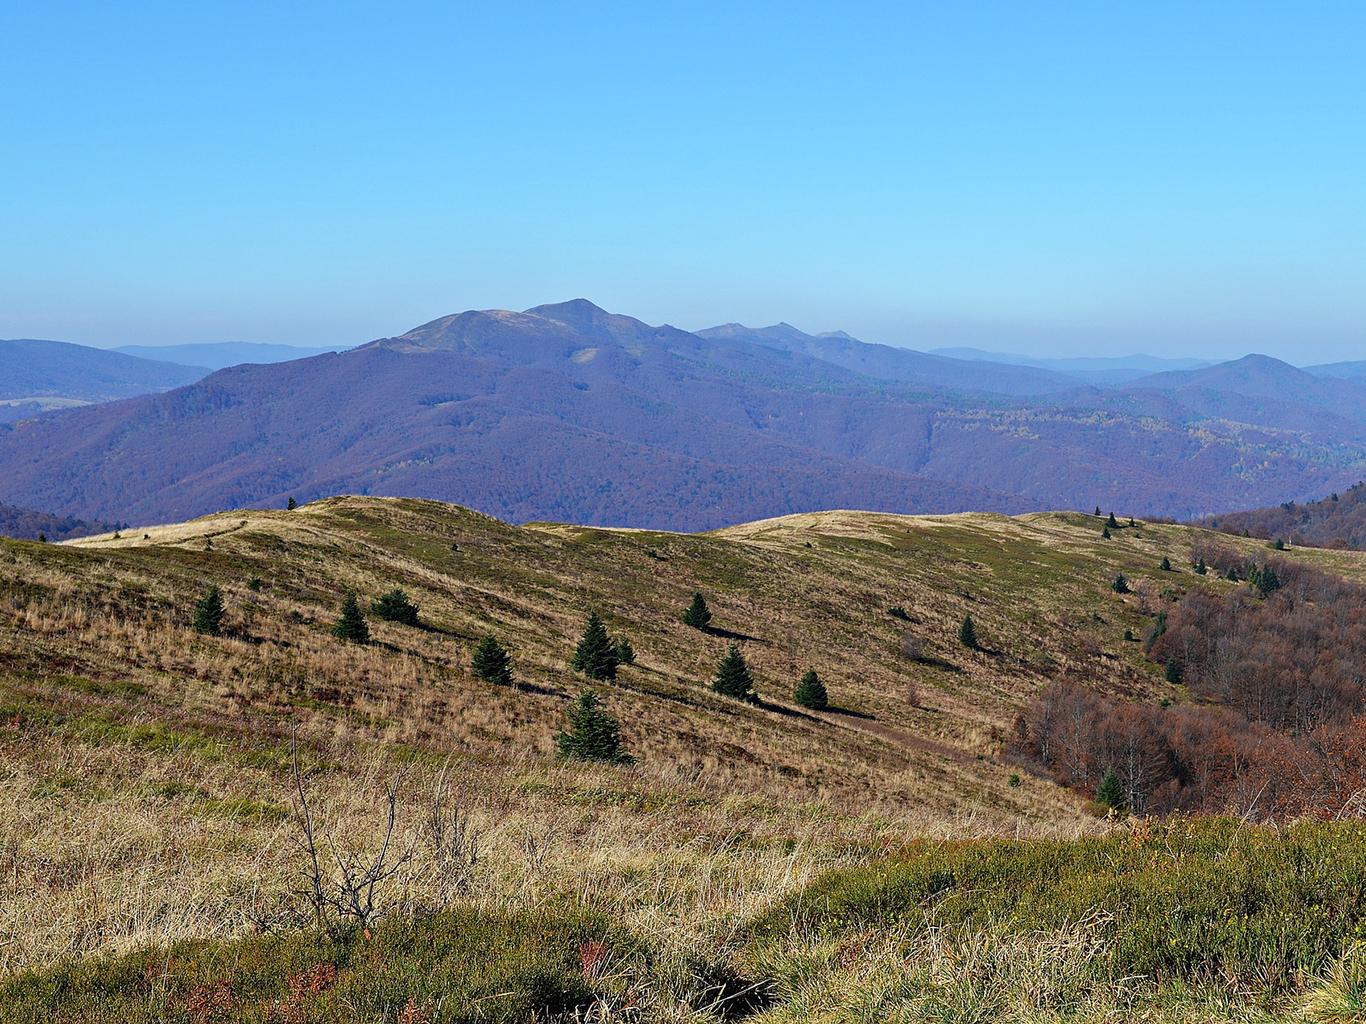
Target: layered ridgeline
(568, 412)
(151, 682)
(38, 376)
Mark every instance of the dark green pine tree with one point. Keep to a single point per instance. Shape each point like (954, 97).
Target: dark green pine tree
(395, 607)
(596, 655)
(208, 613)
(1111, 522)
(697, 616)
(967, 633)
(626, 654)
(351, 626)
(591, 734)
(733, 678)
(811, 692)
(1172, 672)
(1166, 564)
(1264, 579)
(1200, 568)
(1110, 793)
(1120, 585)
(291, 505)
(491, 663)
(1105, 533)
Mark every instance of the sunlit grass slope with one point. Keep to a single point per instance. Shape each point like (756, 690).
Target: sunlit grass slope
(148, 772)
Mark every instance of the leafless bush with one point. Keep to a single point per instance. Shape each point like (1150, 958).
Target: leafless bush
(454, 843)
(912, 646)
(353, 893)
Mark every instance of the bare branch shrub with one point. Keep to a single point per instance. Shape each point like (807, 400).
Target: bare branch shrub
(354, 892)
(454, 844)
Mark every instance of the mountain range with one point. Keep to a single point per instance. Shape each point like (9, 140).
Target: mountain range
(37, 376)
(569, 412)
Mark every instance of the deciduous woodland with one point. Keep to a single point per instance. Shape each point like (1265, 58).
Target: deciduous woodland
(1272, 726)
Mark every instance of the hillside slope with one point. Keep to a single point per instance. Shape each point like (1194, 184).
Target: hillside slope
(142, 736)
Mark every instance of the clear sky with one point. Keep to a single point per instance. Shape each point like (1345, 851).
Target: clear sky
(1183, 178)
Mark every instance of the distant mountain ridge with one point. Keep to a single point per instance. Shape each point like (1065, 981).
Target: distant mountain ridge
(36, 376)
(568, 412)
(219, 355)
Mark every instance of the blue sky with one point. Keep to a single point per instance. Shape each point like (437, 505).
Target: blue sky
(1049, 178)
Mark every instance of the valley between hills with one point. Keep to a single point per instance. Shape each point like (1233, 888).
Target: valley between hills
(894, 856)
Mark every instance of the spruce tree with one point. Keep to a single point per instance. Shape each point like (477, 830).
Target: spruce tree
(291, 505)
(626, 654)
(208, 613)
(1200, 568)
(1120, 585)
(733, 678)
(1166, 564)
(697, 616)
(395, 607)
(811, 692)
(1172, 672)
(1112, 521)
(596, 655)
(351, 626)
(967, 633)
(1105, 532)
(491, 663)
(592, 734)
(1110, 793)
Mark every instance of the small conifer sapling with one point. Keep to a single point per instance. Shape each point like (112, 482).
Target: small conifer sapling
(591, 733)
(733, 678)
(1110, 793)
(626, 654)
(596, 655)
(967, 633)
(1166, 564)
(395, 607)
(491, 663)
(351, 625)
(208, 613)
(1120, 585)
(698, 616)
(811, 692)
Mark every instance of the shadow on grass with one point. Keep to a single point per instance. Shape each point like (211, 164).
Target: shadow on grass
(850, 713)
(728, 634)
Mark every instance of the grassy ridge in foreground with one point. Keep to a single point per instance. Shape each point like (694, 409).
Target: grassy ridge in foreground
(1185, 921)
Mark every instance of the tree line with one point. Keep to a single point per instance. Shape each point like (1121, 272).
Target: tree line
(1271, 724)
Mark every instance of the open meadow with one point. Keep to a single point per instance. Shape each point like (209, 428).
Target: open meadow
(890, 857)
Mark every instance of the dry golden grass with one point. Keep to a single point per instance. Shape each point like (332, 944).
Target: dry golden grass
(147, 784)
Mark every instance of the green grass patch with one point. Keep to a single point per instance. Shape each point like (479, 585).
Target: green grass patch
(473, 967)
(1185, 901)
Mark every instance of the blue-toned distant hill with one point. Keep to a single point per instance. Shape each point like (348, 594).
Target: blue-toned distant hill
(568, 412)
(37, 376)
(1102, 371)
(218, 355)
(902, 365)
(1351, 370)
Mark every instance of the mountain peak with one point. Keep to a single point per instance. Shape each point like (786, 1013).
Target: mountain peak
(574, 312)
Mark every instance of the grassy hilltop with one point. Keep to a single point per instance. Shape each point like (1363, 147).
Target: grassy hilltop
(151, 796)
